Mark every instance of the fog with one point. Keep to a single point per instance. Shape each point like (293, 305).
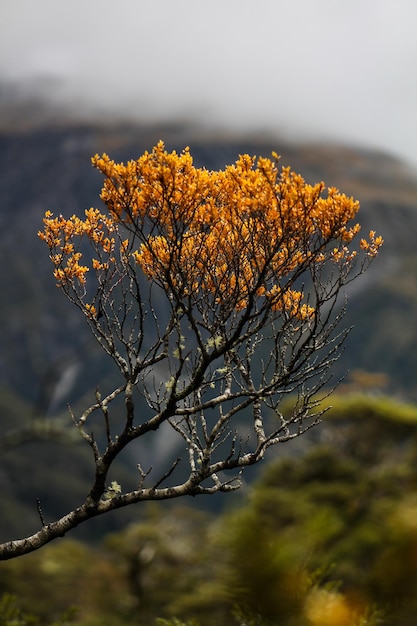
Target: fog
(321, 70)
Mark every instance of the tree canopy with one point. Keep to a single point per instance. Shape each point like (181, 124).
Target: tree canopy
(216, 294)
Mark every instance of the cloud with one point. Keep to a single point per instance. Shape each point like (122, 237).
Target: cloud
(323, 70)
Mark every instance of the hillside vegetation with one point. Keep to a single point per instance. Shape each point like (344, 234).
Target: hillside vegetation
(324, 537)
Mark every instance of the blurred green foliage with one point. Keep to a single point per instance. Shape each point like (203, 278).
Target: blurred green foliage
(11, 614)
(326, 537)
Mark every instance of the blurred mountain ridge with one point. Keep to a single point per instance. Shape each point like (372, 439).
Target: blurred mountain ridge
(47, 166)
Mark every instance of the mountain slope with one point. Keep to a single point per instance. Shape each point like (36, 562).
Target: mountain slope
(49, 359)
(49, 168)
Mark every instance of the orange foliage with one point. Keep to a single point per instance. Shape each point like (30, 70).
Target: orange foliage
(232, 235)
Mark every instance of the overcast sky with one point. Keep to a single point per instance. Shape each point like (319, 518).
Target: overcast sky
(312, 69)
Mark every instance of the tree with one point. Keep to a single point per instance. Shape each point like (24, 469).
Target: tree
(216, 295)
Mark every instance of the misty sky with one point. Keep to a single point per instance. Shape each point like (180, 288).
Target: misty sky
(339, 70)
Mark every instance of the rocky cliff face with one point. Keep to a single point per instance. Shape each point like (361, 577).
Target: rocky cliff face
(45, 349)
